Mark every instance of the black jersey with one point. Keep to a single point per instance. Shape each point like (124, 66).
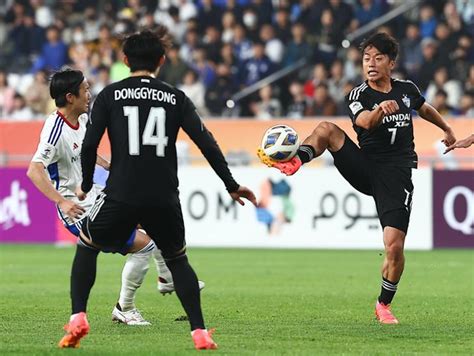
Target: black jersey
(392, 141)
(143, 116)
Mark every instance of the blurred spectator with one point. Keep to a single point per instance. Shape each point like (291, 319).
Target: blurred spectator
(79, 55)
(282, 25)
(466, 105)
(411, 56)
(187, 9)
(101, 81)
(342, 13)
(194, 89)
(177, 26)
(220, 91)
(91, 24)
(366, 11)
(268, 107)
(228, 23)
(273, 46)
(319, 76)
(337, 81)
(20, 111)
(174, 69)
(469, 85)
(250, 21)
(7, 95)
(353, 66)
(428, 21)
(452, 87)
(440, 103)
(27, 38)
(37, 94)
(16, 13)
(466, 11)
(322, 104)
(342, 108)
(191, 43)
(310, 14)
(118, 70)
(203, 67)
(446, 40)
(264, 10)
(235, 7)
(257, 67)
(452, 18)
(328, 37)
(242, 45)
(43, 15)
(212, 43)
(53, 53)
(106, 46)
(297, 48)
(209, 15)
(228, 58)
(298, 104)
(461, 58)
(429, 48)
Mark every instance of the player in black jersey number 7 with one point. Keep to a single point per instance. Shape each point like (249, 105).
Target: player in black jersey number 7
(143, 116)
(380, 109)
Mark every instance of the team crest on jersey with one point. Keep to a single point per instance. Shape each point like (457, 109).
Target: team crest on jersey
(406, 100)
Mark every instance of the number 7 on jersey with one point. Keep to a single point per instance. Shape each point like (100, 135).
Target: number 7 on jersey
(156, 121)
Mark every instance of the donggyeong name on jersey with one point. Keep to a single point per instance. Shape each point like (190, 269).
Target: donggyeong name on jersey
(145, 93)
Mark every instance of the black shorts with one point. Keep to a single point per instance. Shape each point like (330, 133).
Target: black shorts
(390, 186)
(110, 224)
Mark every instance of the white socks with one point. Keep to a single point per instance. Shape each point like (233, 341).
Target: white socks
(133, 274)
(163, 270)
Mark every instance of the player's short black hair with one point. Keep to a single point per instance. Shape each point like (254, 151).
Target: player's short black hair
(385, 43)
(63, 82)
(144, 49)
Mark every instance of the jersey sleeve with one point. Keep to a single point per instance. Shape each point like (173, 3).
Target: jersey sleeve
(203, 138)
(357, 103)
(48, 145)
(417, 99)
(95, 130)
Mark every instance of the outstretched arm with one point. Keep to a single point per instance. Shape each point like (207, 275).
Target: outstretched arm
(432, 115)
(464, 143)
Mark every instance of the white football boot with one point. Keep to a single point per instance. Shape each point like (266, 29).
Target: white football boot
(165, 287)
(131, 317)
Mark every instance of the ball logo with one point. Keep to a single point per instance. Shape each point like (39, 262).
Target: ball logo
(464, 225)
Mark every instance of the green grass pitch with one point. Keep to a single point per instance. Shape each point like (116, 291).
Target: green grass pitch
(262, 302)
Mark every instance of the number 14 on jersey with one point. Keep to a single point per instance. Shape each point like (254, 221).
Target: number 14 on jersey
(155, 123)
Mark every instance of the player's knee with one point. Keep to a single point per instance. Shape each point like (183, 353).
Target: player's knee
(394, 252)
(325, 128)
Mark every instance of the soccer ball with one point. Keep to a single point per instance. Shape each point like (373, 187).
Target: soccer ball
(280, 143)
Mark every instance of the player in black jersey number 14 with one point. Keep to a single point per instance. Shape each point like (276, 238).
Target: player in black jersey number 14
(381, 112)
(143, 116)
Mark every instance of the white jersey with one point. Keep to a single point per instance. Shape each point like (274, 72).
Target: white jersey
(59, 150)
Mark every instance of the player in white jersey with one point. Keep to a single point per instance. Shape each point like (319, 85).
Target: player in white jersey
(58, 153)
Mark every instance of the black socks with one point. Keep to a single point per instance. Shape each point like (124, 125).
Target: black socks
(306, 153)
(83, 273)
(388, 291)
(187, 288)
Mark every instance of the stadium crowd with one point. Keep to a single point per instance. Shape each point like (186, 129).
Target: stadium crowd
(223, 46)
